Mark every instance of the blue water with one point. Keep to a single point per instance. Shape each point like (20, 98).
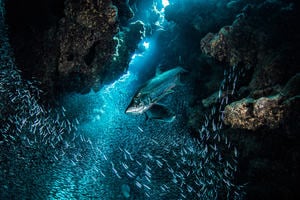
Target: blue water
(154, 159)
(88, 148)
(119, 140)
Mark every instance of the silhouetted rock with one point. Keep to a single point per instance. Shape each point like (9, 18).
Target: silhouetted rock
(72, 42)
(252, 42)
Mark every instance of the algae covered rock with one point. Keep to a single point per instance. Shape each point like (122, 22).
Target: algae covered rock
(264, 51)
(72, 42)
(85, 38)
(230, 44)
(253, 114)
(270, 111)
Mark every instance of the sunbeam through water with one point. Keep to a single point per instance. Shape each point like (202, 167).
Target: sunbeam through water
(158, 99)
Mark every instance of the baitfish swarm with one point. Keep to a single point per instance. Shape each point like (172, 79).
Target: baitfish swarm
(46, 154)
(33, 140)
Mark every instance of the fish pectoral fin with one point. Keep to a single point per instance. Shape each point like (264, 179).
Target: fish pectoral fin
(161, 113)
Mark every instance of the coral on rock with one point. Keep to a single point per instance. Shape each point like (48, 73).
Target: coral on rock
(230, 44)
(127, 41)
(254, 43)
(72, 41)
(262, 114)
(85, 43)
(253, 114)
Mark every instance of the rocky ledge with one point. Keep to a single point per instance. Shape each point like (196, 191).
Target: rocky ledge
(263, 52)
(73, 43)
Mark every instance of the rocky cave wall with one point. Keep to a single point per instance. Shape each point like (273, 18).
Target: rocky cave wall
(71, 45)
(257, 42)
(258, 39)
(81, 44)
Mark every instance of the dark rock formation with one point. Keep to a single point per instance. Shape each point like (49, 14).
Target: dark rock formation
(124, 10)
(72, 41)
(253, 114)
(249, 43)
(263, 115)
(85, 37)
(270, 111)
(231, 44)
(127, 42)
(203, 16)
(292, 87)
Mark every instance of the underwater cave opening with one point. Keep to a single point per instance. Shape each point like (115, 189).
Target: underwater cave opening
(96, 150)
(234, 114)
(151, 158)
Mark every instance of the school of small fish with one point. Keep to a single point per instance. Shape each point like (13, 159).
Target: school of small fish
(46, 154)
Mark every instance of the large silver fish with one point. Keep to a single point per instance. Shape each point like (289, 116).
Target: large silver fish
(146, 98)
